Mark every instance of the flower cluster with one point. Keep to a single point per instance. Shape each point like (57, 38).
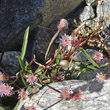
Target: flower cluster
(66, 40)
(5, 89)
(34, 89)
(22, 94)
(2, 77)
(57, 76)
(97, 56)
(31, 78)
(66, 93)
(100, 77)
(78, 95)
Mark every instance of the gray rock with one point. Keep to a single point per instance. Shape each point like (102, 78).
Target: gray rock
(15, 16)
(10, 62)
(41, 43)
(88, 2)
(103, 11)
(87, 13)
(96, 94)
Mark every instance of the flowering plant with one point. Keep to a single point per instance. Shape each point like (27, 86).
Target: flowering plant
(62, 66)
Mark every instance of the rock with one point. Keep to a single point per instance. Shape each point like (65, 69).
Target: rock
(103, 11)
(88, 2)
(10, 62)
(87, 13)
(17, 15)
(90, 74)
(40, 45)
(96, 96)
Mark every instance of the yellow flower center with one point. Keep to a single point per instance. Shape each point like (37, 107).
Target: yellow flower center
(101, 77)
(1, 77)
(34, 90)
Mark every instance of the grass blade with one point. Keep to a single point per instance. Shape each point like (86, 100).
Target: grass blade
(88, 57)
(23, 52)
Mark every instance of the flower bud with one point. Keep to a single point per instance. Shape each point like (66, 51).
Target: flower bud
(63, 23)
(64, 64)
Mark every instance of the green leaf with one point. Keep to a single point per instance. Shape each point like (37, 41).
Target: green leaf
(23, 80)
(91, 67)
(27, 69)
(21, 63)
(88, 57)
(24, 46)
(38, 70)
(103, 65)
(15, 108)
(38, 85)
(28, 88)
(17, 74)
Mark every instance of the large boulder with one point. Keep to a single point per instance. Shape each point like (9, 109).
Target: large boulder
(96, 96)
(15, 16)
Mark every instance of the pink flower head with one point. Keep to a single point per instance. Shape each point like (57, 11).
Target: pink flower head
(22, 94)
(2, 76)
(100, 77)
(66, 40)
(78, 95)
(97, 56)
(63, 23)
(8, 90)
(2, 86)
(57, 76)
(66, 93)
(31, 78)
(33, 107)
(34, 89)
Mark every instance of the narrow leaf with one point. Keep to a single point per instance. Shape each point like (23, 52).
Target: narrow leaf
(103, 65)
(88, 57)
(21, 63)
(91, 67)
(24, 46)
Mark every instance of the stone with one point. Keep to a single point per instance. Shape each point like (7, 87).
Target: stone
(87, 13)
(103, 11)
(96, 96)
(88, 2)
(41, 43)
(10, 62)
(15, 16)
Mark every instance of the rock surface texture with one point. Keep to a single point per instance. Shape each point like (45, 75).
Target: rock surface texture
(10, 62)
(17, 15)
(96, 96)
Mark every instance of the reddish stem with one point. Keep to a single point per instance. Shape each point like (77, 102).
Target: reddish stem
(49, 86)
